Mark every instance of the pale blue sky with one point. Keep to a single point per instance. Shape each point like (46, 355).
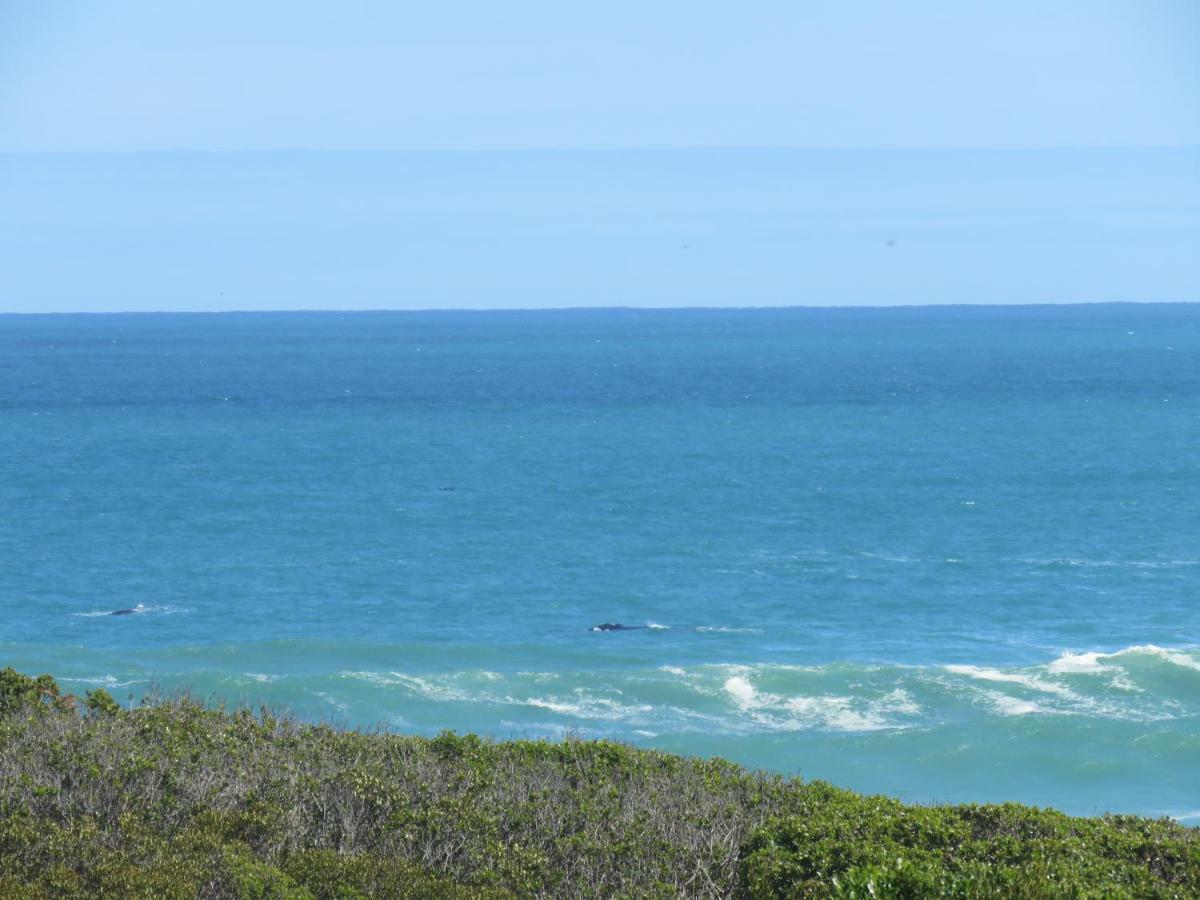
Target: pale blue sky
(288, 155)
(215, 74)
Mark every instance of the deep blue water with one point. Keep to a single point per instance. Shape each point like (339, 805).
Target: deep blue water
(943, 553)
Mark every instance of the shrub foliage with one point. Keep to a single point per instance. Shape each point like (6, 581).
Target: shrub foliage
(175, 799)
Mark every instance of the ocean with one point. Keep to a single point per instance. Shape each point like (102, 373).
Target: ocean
(942, 553)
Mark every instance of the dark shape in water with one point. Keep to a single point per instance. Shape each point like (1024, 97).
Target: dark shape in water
(122, 612)
(616, 626)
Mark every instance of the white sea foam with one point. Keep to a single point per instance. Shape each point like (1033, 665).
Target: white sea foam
(587, 707)
(655, 626)
(1030, 681)
(1078, 664)
(1175, 657)
(1114, 670)
(423, 687)
(476, 687)
(1090, 664)
(558, 706)
(740, 689)
(102, 680)
(901, 701)
(1012, 706)
(775, 712)
(836, 713)
(783, 697)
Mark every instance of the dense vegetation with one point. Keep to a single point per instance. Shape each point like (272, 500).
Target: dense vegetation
(173, 799)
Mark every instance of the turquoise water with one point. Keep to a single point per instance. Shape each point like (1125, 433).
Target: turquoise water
(943, 553)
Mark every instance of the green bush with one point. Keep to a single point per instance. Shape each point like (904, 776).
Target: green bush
(22, 692)
(174, 799)
(853, 846)
(100, 703)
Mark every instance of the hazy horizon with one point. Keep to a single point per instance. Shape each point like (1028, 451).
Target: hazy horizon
(647, 228)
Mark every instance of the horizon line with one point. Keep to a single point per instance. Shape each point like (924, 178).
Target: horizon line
(613, 308)
(650, 148)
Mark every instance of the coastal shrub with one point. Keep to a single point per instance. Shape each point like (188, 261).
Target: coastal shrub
(172, 798)
(21, 692)
(100, 703)
(848, 845)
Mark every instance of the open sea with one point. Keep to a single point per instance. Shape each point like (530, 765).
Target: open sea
(948, 554)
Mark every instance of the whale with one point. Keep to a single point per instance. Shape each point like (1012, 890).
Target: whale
(615, 626)
(128, 611)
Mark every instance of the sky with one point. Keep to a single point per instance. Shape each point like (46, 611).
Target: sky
(110, 75)
(297, 155)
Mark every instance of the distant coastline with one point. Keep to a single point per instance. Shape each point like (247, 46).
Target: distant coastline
(600, 310)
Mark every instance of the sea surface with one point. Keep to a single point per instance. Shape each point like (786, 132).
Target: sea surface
(949, 554)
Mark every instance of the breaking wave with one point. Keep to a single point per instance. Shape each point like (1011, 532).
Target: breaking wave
(1142, 683)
